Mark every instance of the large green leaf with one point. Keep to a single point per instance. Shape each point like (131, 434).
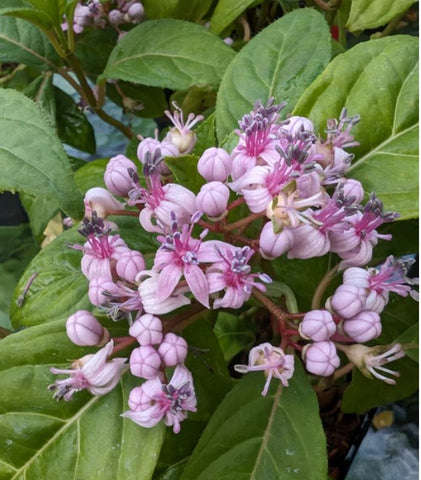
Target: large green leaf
(192, 10)
(32, 158)
(93, 47)
(374, 13)
(85, 438)
(379, 81)
(24, 43)
(40, 211)
(169, 53)
(46, 14)
(227, 11)
(280, 62)
(59, 288)
(255, 437)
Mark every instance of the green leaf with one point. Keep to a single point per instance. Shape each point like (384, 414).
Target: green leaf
(404, 240)
(42, 92)
(280, 62)
(205, 133)
(255, 437)
(91, 175)
(366, 14)
(150, 101)
(365, 393)
(410, 342)
(32, 158)
(382, 87)
(234, 334)
(226, 12)
(185, 171)
(93, 47)
(86, 438)
(192, 10)
(26, 10)
(72, 125)
(40, 211)
(59, 288)
(171, 54)
(207, 364)
(302, 276)
(22, 42)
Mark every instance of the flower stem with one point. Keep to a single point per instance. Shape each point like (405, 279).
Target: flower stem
(243, 222)
(123, 344)
(320, 290)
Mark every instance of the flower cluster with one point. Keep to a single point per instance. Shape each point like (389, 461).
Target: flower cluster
(292, 184)
(98, 14)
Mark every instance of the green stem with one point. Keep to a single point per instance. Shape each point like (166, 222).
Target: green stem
(320, 290)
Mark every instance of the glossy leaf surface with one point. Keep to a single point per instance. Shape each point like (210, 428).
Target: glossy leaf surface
(379, 81)
(172, 54)
(83, 438)
(280, 62)
(32, 158)
(254, 437)
(374, 13)
(24, 43)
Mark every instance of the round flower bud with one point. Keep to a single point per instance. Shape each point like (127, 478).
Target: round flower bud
(353, 188)
(117, 177)
(356, 276)
(213, 199)
(115, 17)
(321, 358)
(297, 125)
(84, 330)
(147, 329)
(348, 300)
(129, 264)
(101, 201)
(317, 325)
(150, 145)
(136, 12)
(137, 398)
(145, 362)
(215, 164)
(363, 327)
(97, 287)
(173, 350)
(273, 245)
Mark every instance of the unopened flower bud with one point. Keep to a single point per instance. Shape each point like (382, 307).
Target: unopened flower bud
(129, 264)
(147, 329)
(353, 188)
(136, 12)
(317, 325)
(363, 327)
(99, 290)
(117, 177)
(213, 199)
(273, 245)
(173, 350)
(215, 164)
(321, 358)
(83, 329)
(348, 300)
(115, 17)
(296, 125)
(357, 276)
(166, 148)
(145, 362)
(102, 202)
(137, 398)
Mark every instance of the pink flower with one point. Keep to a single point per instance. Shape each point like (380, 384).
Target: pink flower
(180, 255)
(92, 372)
(181, 134)
(272, 360)
(155, 401)
(232, 274)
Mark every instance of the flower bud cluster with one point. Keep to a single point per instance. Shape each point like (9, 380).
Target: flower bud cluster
(157, 399)
(98, 14)
(363, 295)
